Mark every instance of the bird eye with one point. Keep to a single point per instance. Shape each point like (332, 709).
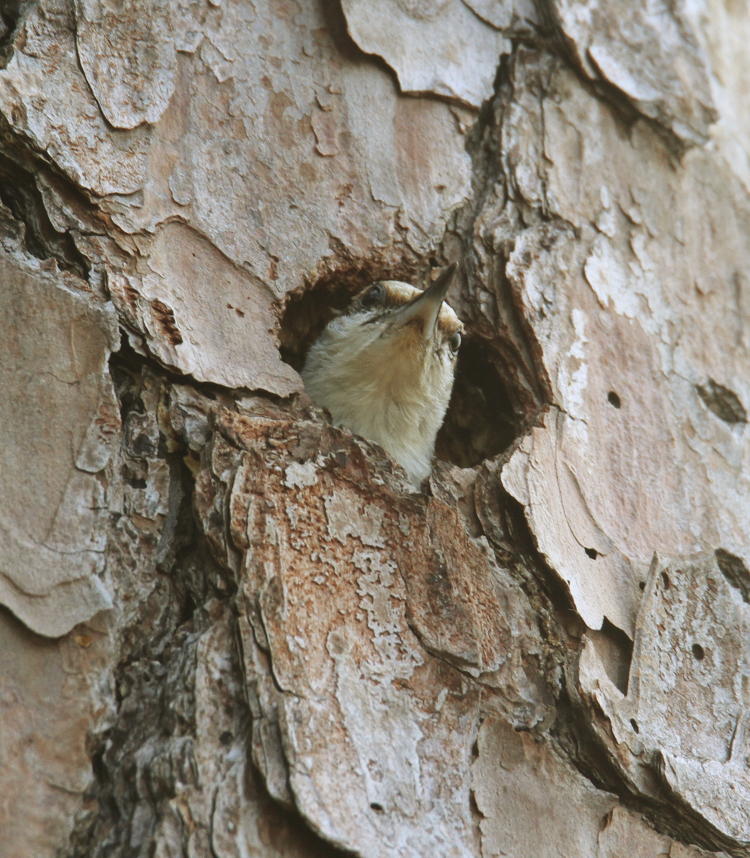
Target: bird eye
(454, 342)
(374, 295)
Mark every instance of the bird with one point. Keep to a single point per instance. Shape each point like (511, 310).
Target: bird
(384, 368)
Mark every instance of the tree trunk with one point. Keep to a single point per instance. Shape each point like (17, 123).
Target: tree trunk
(232, 629)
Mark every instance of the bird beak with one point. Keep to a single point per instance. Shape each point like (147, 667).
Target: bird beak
(425, 308)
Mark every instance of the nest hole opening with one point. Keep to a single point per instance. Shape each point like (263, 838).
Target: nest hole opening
(483, 418)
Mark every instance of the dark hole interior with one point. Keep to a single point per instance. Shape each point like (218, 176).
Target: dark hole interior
(307, 313)
(665, 580)
(482, 419)
(592, 553)
(698, 652)
(613, 399)
(634, 725)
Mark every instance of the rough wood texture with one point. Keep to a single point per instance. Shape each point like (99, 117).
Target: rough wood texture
(229, 629)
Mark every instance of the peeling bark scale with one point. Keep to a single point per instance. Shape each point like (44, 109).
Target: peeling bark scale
(230, 629)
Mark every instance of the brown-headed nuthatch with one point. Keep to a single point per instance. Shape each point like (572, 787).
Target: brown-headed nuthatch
(385, 368)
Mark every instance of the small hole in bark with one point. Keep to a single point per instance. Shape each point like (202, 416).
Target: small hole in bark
(665, 580)
(613, 399)
(698, 652)
(484, 416)
(378, 808)
(226, 737)
(641, 585)
(634, 725)
(592, 553)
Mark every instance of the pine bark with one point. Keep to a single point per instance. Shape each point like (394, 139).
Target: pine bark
(231, 629)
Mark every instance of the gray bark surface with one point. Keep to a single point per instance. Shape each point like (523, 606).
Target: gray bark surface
(230, 629)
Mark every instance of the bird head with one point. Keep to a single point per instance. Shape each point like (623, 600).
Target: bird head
(385, 367)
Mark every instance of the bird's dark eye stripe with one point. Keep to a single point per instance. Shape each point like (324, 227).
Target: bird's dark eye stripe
(373, 296)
